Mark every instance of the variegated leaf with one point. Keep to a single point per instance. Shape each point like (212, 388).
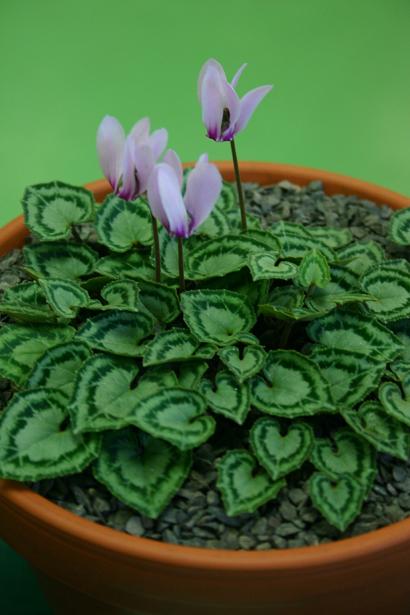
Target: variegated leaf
(331, 237)
(154, 380)
(295, 241)
(390, 291)
(243, 363)
(339, 500)
(175, 345)
(26, 302)
(395, 398)
(244, 488)
(292, 386)
(226, 396)
(121, 295)
(65, 297)
(401, 329)
(117, 331)
(217, 317)
(400, 227)
(383, 431)
(264, 266)
(359, 256)
(141, 471)
(313, 270)
(343, 288)
(51, 209)
(134, 265)
(278, 449)
(190, 374)
(35, 440)
(59, 259)
(160, 300)
(121, 225)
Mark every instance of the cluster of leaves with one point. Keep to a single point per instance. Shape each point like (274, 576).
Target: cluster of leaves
(299, 339)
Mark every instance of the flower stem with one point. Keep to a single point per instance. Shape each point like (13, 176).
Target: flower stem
(181, 263)
(239, 187)
(156, 249)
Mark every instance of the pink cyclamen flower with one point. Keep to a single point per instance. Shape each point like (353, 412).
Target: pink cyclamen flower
(223, 112)
(181, 215)
(127, 162)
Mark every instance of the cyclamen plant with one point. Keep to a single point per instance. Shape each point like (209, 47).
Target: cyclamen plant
(294, 341)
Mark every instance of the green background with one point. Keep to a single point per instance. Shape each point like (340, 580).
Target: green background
(341, 99)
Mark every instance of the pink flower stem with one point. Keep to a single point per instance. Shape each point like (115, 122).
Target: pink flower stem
(239, 187)
(157, 250)
(181, 264)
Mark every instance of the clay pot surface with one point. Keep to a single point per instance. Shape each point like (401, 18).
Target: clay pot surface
(88, 568)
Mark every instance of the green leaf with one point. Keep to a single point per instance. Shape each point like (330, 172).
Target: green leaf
(278, 451)
(21, 346)
(351, 375)
(239, 282)
(169, 252)
(313, 270)
(385, 433)
(64, 297)
(59, 259)
(132, 265)
(217, 224)
(346, 453)
(26, 302)
(263, 267)
(390, 291)
(227, 397)
(57, 368)
(282, 313)
(395, 399)
(36, 443)
(117, 331)
(160, 300)
(120, 295)
(217, 317)
(102, 398)
(343, 288)
(190, 374)
(175, 345)
(121, 225)
(331, 237)
(400, 227)
(339, 500)
(242, 490)
(245, 366)
(228, 200)
(176, 415)
(295, 241)
(360, 256)
(155, 379)
(352, 331)
(223, 255)
(401, 329)
(51, 209)
(293, 386)
(143, 472)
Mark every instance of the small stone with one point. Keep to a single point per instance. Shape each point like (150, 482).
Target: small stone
(279, 542)
(310, 515)
(286, 529)
(134, 526)
(101, 506)
(119, 519)
(314, 185)
(404, 485)
(297, 496)
(393, 512)
(246, 542)
(169, 536)
(287, 511)
(400, 473)
(263, 546)
(404, 501)
(212, 498)
(147, 522)
(260, 527)
(296, 542)
(230, 539)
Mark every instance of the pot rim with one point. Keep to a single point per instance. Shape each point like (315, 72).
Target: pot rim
(26, 503)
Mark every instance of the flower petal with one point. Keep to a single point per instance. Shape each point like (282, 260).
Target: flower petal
(172, 158)
(213, 101)
(236, 76)
(158, 141)
(233, 104)
(248, 105)
(144, 162)
(213, 64)
(165, 199)
(140, 131)
(110, 148)
(203, 188)
(128, 187)
(154, 197)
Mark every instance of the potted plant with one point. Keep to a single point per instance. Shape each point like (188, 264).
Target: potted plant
(143, 356)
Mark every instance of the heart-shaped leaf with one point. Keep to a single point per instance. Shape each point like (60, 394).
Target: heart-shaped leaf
(65, 297)
(189, 374)
(26, 302)
(143, 472)
(351, 375)
(217, 317)
(245, 366)
(346, 453)
(400, 227)
(102, 398)
(383, 431)
(121, 225)
(21, 347)
(51, 209)
(132, 265)
(339, 500)
(395, 399)
(293, 386)
(263, 266)
(176, 415)
(242, 490)
(278, 452)
(314, 270)
(59, 259)
(331, 237)
(117, 331)
(357, 332)
(359, 256)
(155, 379)
(390, 291)
(295, 241)
(160, 300)
(175, 345)
(227, 396)
(122, 294)
(57, 368)
(35, 441)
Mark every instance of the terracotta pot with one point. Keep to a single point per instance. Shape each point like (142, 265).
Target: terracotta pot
(88, 568)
